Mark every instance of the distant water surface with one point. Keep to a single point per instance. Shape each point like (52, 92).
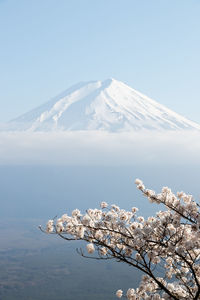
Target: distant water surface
(36, 266)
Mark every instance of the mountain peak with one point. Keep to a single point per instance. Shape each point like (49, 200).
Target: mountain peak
(108, 105)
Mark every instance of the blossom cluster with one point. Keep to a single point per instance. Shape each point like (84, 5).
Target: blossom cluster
(165, 247)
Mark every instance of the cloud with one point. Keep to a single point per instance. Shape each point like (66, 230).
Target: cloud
(99, 148)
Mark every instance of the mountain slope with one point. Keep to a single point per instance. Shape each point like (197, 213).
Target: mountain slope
(102, 105)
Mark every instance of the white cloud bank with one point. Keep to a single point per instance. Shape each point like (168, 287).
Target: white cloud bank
(99, 148)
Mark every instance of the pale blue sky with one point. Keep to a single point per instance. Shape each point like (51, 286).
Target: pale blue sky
(48, 45)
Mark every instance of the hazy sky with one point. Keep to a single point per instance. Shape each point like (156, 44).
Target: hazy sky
(152, 45)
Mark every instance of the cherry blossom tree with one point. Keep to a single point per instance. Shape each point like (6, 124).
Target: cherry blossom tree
(166, 247)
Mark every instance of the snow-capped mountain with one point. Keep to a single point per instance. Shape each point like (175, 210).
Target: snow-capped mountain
(108, 105)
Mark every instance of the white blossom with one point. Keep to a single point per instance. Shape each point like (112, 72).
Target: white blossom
(170, 241)
(131, 294)
(76, 213)
(134, 209)
(49, 226)
(119, 293)
(104, 204)
(90, 248)
(138, 181)
(140, 219)
(65, 218)
(103, 251)
(59, 226)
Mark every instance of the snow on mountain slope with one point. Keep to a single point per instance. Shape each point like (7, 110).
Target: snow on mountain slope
(108, 105)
